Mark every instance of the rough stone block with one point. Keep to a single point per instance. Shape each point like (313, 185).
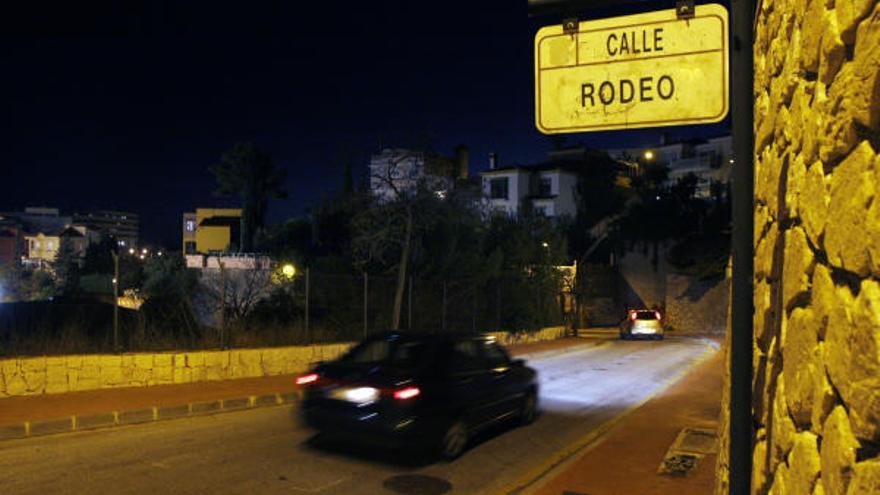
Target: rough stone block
(797, 267)
(838, 451)
(112, 376)
(813, 28)
(94, 421)
(854, 362)
(801, 364)
(838, 133)
(833, 50)
(759, 460)
(782, 428)
(182, 375)
(52, 426)
(813, 202)
(765, 253)
(163, 360)
(780, 480)
(143, 361)
(794, 186)
(73, 361)
(109, 361)
(164, 374)
(135, 416)
(865, 478)
(852, 190)
(849, 13)
(195, 359)
(865, 83)
(804, 464)
(824, 399)
(90, 360)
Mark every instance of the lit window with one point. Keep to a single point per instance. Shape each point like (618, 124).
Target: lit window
(190, 226)
(50, 245)
(37, 244)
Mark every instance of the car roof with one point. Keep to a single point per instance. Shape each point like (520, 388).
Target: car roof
(406, 336)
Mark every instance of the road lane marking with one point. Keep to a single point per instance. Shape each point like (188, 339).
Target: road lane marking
(537, 477)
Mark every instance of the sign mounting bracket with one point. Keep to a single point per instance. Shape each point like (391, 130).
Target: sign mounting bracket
(570, 25)
(684, 9)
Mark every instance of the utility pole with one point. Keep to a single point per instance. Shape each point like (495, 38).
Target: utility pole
(115, 301)
(307, 305)
(366, 302)
(222, 304)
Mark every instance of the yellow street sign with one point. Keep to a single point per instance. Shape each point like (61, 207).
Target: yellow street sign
(635, 71)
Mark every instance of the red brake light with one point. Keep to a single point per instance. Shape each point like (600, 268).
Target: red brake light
(306, 379)
(407, 393)
(657, 314)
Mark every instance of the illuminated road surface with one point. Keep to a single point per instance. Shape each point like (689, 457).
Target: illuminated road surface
(264, 451)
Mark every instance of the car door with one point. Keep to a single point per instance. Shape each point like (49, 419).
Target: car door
(469, 382)
(504, 388)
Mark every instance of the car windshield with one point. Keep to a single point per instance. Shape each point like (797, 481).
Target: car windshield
(388, 351)
(646, 315)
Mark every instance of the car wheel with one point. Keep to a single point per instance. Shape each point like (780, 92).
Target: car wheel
(529, 408)
(454, 441)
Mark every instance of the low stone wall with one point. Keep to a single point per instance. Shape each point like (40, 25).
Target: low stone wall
(54, 375)
(60, 374)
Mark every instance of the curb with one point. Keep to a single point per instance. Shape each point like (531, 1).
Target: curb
(88, 422)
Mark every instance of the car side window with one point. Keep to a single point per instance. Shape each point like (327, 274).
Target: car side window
(466, 357)
(496, 356)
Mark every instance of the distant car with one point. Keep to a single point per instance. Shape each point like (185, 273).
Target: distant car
(641, 323)
(423, 391)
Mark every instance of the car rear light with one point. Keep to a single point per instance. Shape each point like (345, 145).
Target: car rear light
(657, 314)
(632, 316)
(306, 379)
(407, 393)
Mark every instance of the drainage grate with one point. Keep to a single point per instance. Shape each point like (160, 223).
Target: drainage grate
(689, 447)
(417, 484)
(679, 464)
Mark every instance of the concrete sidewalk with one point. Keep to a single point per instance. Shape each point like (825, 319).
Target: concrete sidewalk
(625, 460)
(60, 413)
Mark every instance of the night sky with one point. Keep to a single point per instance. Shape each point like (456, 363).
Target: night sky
(125, 105)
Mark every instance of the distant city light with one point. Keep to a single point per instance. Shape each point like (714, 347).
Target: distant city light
(545, 244)
(114, 281)
(130, 250)
(649, 155)
(122, 243)
(144, 250)
(141, 256)
(159, 253)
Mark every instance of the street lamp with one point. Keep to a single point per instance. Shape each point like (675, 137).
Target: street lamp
(288, 270)
(649, 155)
(545, 244)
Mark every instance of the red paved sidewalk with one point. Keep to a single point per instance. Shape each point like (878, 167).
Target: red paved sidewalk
(46, 407)
(626, 460)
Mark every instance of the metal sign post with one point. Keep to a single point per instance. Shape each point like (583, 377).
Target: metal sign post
(566, 102)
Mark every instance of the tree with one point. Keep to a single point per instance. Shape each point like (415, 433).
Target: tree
(66, 267)
(248, 172)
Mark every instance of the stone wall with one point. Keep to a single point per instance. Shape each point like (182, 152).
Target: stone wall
(60, 374)
(816, 399)
(695, 306)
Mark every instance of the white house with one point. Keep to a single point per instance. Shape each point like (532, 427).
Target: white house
(549, 190)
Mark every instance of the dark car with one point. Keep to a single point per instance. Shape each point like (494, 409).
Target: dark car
(418, 390)
(641, 323)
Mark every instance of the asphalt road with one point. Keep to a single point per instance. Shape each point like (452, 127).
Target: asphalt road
(265, 451)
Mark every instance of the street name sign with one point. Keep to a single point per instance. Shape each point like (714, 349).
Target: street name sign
(644, 70)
